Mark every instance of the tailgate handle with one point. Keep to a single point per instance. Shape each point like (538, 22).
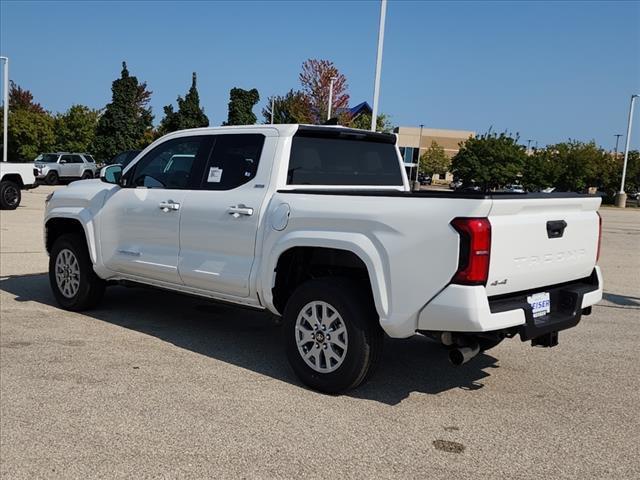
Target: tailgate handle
(555, 228)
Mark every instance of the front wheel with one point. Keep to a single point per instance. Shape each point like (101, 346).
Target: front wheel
(73, 281)
(332, 336)
(10, 195)
(51, 178)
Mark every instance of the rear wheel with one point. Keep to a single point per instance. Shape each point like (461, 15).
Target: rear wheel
(51, 178)
(332, 336)
(10, 195)
(73, 281)
(87, 175)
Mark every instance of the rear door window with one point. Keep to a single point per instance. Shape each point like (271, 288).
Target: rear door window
(332, 160)
(233, 162)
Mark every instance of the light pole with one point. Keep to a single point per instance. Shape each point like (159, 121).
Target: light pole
(376, 83)
(416, 185)
(5, 101)
(333, 79)
(621, 198)
(529, 145)
(617, 135)
(273, 108)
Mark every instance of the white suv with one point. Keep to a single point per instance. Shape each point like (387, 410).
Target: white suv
(62, 165)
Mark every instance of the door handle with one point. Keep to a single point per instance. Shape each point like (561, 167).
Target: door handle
(169, 206)
(237, 210)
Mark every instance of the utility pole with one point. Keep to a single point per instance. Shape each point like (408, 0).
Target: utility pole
(416, 185)
(617, 135)
(376, 83)
(621, 198)
(5, 113)
(273, 108)
(333, 79)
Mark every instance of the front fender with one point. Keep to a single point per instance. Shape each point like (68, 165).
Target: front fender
(356, 243)
(82, 215)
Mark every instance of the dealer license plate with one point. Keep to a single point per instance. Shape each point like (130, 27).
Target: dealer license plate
(540, 304)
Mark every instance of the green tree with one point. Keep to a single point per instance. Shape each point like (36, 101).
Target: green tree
(632, 180)
(189, 115)
(315, 79)
(75, 129)
(570, 166)
(490, 160)
(241, 103)
(294, 107)
(127, 121)
(31, 128)
(29, 134)
(434, 160)
(363, 122)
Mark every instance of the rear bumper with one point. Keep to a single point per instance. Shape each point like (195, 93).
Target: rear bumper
(467, 309)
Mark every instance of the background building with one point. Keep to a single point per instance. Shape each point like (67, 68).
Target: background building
(412, 145)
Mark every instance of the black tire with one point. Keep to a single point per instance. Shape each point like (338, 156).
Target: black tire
(353, 302)
(10, 195)
(51, 178)
(91, 287)
(86, 175)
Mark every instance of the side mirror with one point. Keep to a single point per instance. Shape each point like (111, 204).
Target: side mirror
(111, 174)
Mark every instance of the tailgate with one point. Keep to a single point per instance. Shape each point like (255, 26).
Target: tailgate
(541, 241)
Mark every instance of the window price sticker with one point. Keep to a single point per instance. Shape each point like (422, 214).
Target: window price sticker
(215, 175)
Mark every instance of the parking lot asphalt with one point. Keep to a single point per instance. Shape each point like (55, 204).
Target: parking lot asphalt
(155, 385)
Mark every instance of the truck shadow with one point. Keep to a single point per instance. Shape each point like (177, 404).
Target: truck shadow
(252, 340)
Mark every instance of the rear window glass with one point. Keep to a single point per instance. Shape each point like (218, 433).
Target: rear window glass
(89, 158)
(337, 161)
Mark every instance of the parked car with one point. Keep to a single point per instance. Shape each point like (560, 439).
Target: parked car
(424, 179)
(456, 184)
(317, 224)
(53, 167)
(123, 158)
(514, 188)
(15, 177)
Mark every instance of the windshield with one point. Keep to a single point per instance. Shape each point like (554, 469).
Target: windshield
(124, 158)
(47, 158)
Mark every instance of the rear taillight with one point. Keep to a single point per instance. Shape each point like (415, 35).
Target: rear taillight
(599, 236)
(475, 250)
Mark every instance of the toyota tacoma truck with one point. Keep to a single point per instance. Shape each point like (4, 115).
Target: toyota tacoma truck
(317, 224)
(15, 177)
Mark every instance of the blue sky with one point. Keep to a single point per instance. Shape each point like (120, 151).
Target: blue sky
(548, 70)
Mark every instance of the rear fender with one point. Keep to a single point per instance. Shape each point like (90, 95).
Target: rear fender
(356, 243)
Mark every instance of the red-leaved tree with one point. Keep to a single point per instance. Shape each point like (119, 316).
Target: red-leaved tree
(315, 79)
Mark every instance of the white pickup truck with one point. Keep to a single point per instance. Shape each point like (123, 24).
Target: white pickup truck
(15, 177)
(318, 225)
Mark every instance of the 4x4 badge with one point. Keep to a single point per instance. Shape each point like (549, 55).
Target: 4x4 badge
(503, 282)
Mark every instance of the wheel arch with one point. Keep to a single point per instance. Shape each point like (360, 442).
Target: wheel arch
(302, 256)
(59, 225)
(15, 178)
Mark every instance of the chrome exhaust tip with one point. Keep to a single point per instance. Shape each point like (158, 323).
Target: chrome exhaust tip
(461, 355)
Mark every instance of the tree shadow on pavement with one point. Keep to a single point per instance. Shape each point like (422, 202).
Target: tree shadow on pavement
(252, 339)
